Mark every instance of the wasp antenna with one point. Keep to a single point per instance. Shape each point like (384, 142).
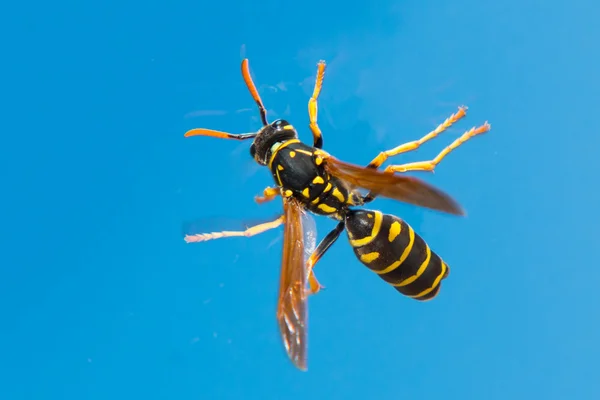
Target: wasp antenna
(252, 88)
(219, 134)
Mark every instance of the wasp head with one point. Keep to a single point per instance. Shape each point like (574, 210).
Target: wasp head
(269, 137)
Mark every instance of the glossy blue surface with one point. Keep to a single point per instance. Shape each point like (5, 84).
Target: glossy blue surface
(101, 298)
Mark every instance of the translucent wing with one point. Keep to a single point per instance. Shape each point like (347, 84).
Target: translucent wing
(398, 187)
(310, 235)
(292, 309)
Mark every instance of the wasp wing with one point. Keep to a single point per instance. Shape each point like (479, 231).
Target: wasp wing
(309, 227)
(292, 309)
(398, 187)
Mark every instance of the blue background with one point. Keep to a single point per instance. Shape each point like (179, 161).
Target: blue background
(100, 298)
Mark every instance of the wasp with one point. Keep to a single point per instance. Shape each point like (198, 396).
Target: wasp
(311, 181)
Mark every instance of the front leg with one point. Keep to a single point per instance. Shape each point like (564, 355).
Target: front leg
(249, 232)
(268, 194)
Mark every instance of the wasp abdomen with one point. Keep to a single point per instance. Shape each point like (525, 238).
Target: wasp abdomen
(392, 249)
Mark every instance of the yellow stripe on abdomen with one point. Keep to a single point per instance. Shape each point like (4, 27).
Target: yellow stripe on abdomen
(419, 272)
(377, 217)
(405, 252)
(423, 294)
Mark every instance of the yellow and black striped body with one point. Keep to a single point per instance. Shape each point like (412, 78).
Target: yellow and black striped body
(300, 173)
(392, 249)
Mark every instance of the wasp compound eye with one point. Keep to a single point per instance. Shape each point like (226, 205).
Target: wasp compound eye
(280, 123)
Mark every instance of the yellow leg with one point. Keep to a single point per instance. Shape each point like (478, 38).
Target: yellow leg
(268, 194)
(430, 165)
(384, 155)
(253, 230)
(321, 249)
(314, 284)
(312, 106)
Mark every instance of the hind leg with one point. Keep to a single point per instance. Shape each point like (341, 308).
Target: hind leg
(321, 249)
(410, 146)
(430, 165)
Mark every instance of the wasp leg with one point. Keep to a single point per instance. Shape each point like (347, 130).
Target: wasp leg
(253, 230)
(312, 106)
(403, 148)
(325, 244)
(430, 165)
(252, 88)
(268, 194)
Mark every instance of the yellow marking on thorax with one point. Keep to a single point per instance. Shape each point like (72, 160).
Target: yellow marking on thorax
(338, 195)
(326, 208)
(374, 232)
(308, 153)
(292, 154)
(288, 127)
(369, 257)
(315, 201)
(318, 160)
(278, 178)
(327, 188)
(277, 148)
(420, 271)
(280, 167)
(288, 193)
(350, 199)
(405, 253)
(318, 180)
(435, 283)
(395, 229)
(306, 193)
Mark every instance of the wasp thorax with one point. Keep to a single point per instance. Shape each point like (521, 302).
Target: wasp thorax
(269, 138)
